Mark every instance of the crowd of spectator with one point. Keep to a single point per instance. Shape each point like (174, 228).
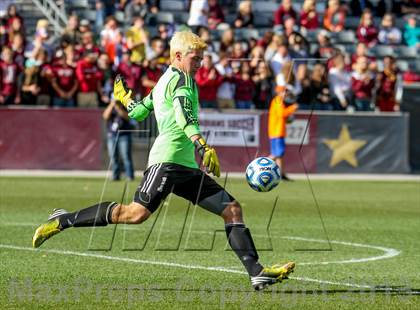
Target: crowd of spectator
(77, 68)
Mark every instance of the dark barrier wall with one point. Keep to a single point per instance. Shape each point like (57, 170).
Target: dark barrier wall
(362, 143)
(50, 139)
(411, 104)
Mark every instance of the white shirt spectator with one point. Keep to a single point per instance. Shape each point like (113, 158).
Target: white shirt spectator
(198, 13)
(390, 35)
(340, 83)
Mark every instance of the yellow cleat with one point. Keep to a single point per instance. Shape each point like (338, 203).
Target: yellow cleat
(272, 275)
(45, 231)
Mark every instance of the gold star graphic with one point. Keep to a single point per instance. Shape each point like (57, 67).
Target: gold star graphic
(344, 148)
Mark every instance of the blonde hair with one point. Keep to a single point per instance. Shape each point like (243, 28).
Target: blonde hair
(185, 42)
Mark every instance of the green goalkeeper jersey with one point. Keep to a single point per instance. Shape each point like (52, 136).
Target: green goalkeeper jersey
(174, 100)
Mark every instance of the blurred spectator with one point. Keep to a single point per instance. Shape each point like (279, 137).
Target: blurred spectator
(9, 74)
(285, 10)
(31, 85)
(315, 89)
(88, 44)
(89, 78)
(325, 48)
(309, 19)
(152, 71)
(136, 8)
(256, 56)
(362, 51)
(111, 39)
(100, 15)
(107, 81)
(71, 33)
(388, 93)
(216, 15)
(226, 91)
(244, 88)
(280, 57)
(208, 80)
(64, 82)
(18, 48)
(165, 33)
(132, 73)
(340, 83)
(289, 26)
(335, 16)
(238, 50)
(366, 31)
(357, 7)
(412, 31)
(245, 16)
(119, 139)
(271, 49)
(362, 84)
(41, 40)
(388, 33)
(266, 39)
(137, 38)
(84, 27)
(13, 14)
(158, 51)
(263, 80)
(16, 27)
(227, 39)
(199, 11)
(205, 35)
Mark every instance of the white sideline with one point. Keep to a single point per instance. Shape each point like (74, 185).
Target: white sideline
(296, 176)
(141, 261)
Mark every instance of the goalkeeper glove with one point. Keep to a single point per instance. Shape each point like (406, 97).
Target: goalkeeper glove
(209, 156)
(121, 92)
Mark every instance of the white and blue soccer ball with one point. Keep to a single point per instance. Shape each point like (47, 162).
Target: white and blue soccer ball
(263, 174)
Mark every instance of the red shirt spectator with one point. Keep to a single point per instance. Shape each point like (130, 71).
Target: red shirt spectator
(309, 18)
(216, 15)
(208, 80)
(285, 10)
(9, 72)
(88, 74)
(367, 32)
(150, 76)
(132, 73)
(386, 94)
(64, 75)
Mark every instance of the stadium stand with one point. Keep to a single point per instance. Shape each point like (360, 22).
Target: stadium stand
(164, 17)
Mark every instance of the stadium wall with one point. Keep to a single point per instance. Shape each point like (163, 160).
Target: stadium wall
(33, 138)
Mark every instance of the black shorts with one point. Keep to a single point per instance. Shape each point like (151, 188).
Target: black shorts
(192, 184)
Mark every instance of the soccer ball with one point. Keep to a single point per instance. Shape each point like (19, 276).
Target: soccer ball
(263, 174)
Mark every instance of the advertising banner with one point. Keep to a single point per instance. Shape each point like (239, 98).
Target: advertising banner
(230, 129)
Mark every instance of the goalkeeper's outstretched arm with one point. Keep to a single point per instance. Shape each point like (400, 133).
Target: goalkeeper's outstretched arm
(137, 109)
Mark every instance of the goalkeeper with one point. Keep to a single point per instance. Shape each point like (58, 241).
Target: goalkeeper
(172, 166)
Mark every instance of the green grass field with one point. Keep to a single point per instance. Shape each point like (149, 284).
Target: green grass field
(178, 259)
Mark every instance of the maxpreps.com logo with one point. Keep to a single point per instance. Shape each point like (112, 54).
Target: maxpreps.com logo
(162, 184)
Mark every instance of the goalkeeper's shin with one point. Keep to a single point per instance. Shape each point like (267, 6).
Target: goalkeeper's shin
(241, 242)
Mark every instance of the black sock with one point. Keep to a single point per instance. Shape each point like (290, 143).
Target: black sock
(241, 242)
(96, 215)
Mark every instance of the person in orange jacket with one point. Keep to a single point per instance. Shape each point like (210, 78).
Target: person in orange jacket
(281, 108)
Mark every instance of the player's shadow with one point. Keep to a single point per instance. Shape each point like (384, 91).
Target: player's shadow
(390, 291)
